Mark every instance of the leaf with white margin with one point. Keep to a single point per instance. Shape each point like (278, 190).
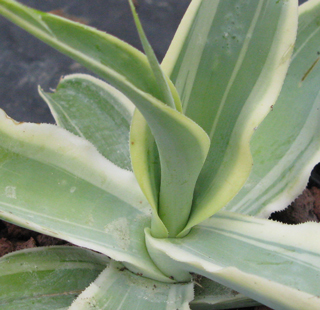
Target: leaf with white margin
(122, 64)
(174, 133)
(96, 111)
(273, 263)
(58, 184)
(228, 61)
(117, 288)
(286, 146)
(47, 277)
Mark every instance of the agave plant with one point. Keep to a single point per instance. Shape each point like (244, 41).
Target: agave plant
(186, 199)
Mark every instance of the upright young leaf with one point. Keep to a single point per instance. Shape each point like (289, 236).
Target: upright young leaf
(167, 96)
(228, 61)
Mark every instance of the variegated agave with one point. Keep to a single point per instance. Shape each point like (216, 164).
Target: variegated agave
(189, 194)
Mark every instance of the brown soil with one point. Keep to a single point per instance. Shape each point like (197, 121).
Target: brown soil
(14, 238)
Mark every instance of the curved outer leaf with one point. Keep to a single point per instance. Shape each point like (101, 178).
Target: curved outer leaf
(120, 289)
(47, 278)
(228, 61)
(96, 111)
(173, 132)
(57, 183)
(286, 146)
(273, 263)
(122, 63)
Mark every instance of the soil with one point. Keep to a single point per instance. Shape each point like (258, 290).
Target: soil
(305, 208)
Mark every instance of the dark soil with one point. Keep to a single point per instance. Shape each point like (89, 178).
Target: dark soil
(14, 238)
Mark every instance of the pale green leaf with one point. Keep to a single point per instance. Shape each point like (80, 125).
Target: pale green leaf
(167, 97)
(173, 132)
(273, 263)
(210, 295)
(228, 61)
(109, 57)
(146, 164)
(57, 183)
(47, 278)
(183, 147)
(120, 289)
(286, 145)
(96, 111)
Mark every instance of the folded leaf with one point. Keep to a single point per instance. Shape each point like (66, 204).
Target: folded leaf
(228, 78)
(117, 288)
(255, 257)
(58, 184)
(47, 278)
(96, 111)
(286, 146)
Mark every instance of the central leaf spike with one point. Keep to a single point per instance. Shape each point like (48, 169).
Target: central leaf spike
(182, 147)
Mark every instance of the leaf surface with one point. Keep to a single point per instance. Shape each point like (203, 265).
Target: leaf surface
(58, 184)
(47, 278)
(273, 263)
(120, 289)
(96, 111)
(128, 70)
(210, 295)
(228, 61)
(286, 145)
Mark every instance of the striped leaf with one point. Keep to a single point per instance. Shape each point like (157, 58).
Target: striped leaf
(182, 144)
(95, 111)
(228, 78)
(117, 288)
(58, 184)
(47, 278)
(286, 146)
(273, 263)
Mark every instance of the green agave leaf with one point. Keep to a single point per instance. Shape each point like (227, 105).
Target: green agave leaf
(146, 164)
(258, 258)
(210, 295)
(228, 61)
(157, 71)
(183, 147)
(286, 146)
(122, 64)
(57, 183)
(96, 111)
(47, 278)
(117, 288)
(173, 132)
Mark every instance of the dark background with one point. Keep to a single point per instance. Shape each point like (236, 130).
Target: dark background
(25, 62)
